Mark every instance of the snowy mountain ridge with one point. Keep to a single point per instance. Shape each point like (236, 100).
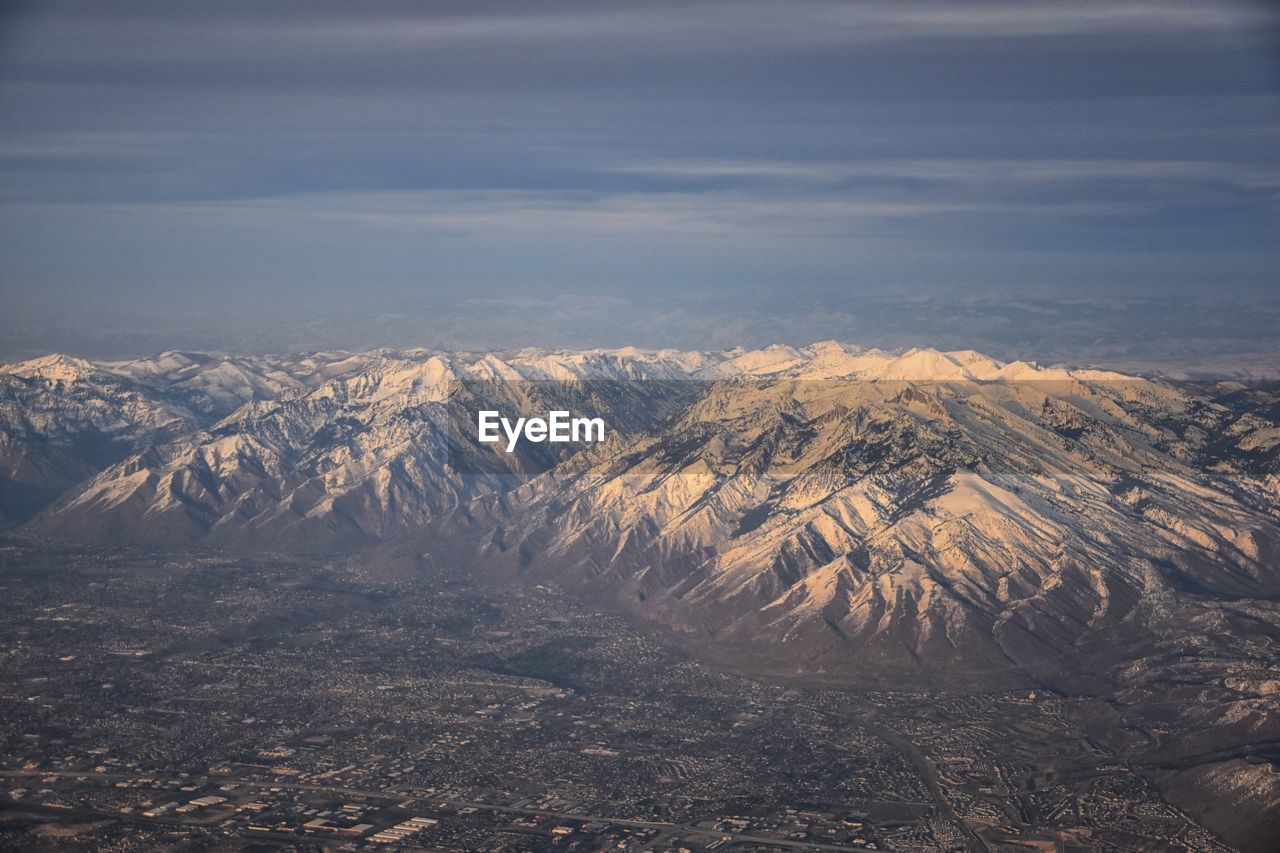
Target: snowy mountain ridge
(804, 508)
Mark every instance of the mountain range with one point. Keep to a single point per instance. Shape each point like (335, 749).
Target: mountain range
(822, 510)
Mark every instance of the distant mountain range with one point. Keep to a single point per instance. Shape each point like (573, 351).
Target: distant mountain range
(822, 510)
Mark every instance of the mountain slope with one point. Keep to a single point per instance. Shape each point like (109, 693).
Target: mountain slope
(63, 419)
(888, 524)
(379, 451)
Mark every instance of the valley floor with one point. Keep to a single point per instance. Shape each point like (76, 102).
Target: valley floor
(203, 701)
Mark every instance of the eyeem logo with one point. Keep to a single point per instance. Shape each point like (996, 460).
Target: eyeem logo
(558, 426)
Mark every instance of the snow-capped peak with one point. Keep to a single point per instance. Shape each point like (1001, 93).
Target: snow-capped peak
(52, 368)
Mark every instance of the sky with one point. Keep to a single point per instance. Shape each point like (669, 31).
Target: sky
(1078, 181)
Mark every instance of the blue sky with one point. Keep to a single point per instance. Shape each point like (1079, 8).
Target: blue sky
(317, 175)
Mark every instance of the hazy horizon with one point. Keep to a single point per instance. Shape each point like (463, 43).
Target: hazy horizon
(1182, 335)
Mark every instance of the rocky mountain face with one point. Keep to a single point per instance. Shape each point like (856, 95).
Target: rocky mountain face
(317, 452)
(815, 510)
(64, 420)
(976, 523)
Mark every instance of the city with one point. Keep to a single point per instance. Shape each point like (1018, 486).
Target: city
(184, 701)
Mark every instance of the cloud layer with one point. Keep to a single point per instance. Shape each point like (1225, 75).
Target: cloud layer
(203, 163)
